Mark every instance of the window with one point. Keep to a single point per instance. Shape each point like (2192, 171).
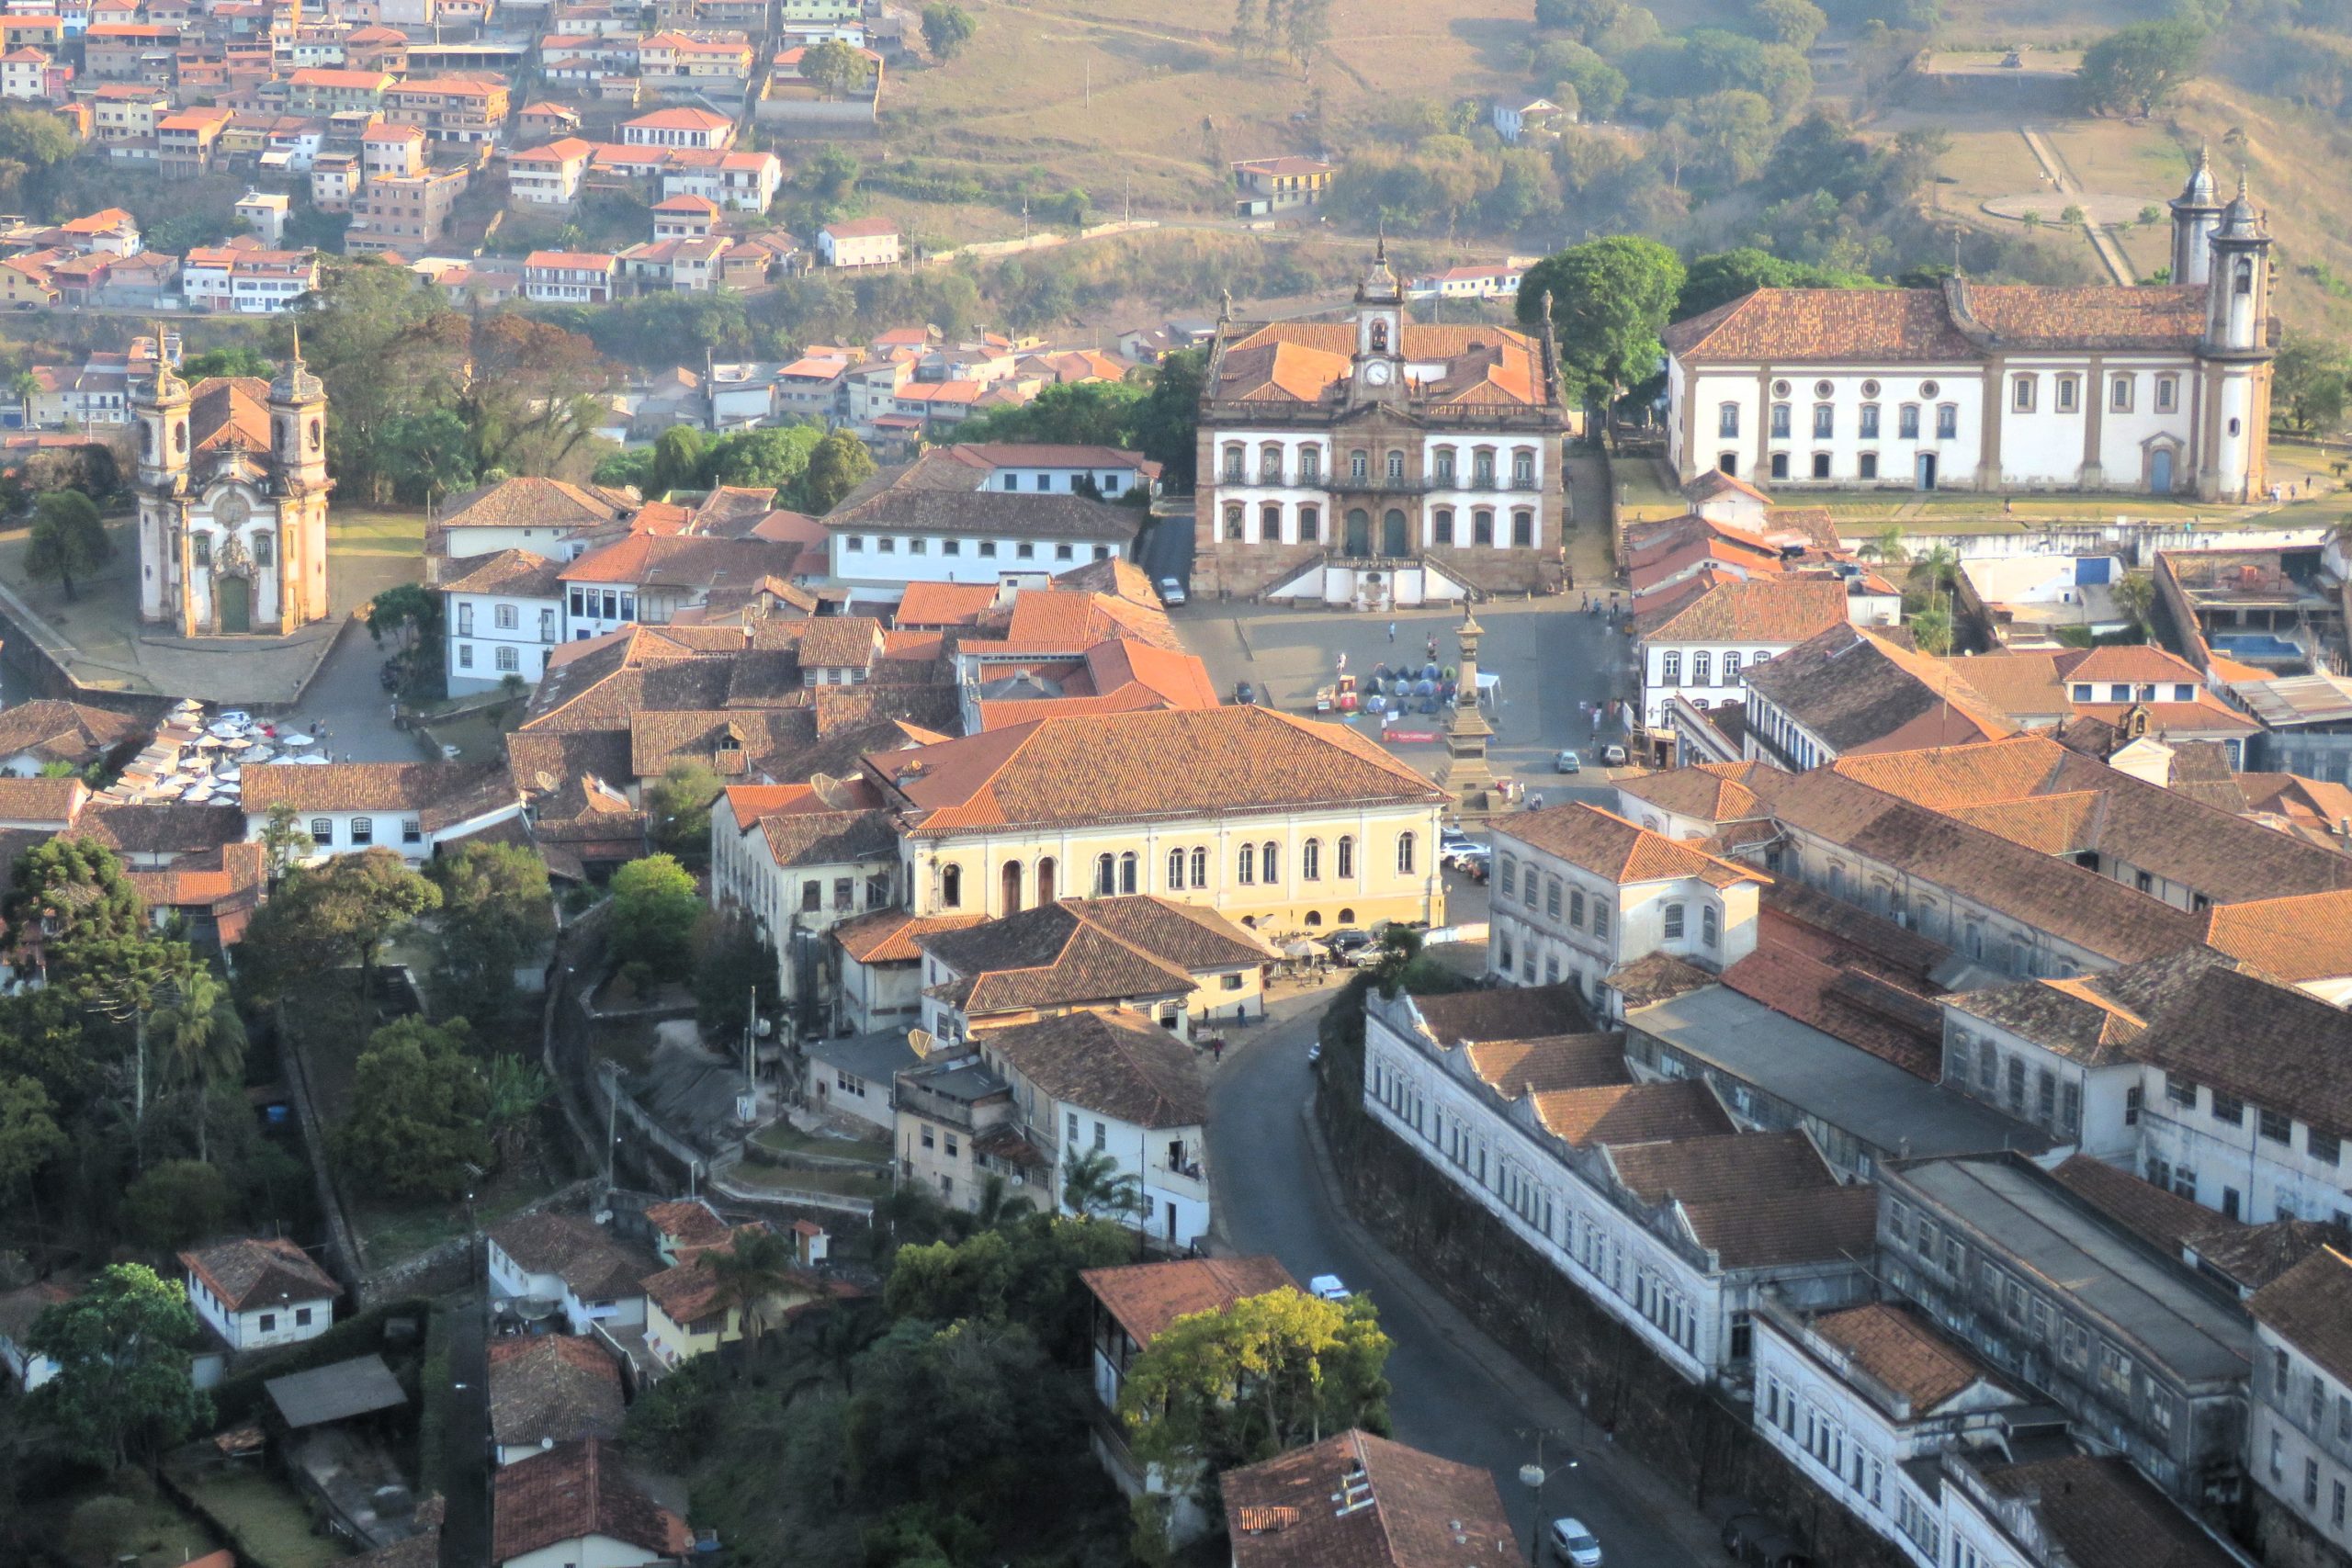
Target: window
(1780, 422)
(2276, 1126)
(1780, 465)
(2022, 392)
(1403, 854)
(883, 543)
(1246, 865)
(503, 615)
(1728, 421)
(1310, 860)
(1870, 421)
(1599, 918)
(950, 887)
(1947, 421)
(1310, 465)
(1444, 462)
(2133, 1097)
(987, 550)
(1481, 468)
(1707, 924)
(1731, 670)
(1552, 899)
(363, 829)
(1523, 529)
(2017, 1083)
(1200, 866)
(1523, 468)
(1176, 869)
(1233, 522)
(1868, 468)
(1233, 459)
(1669, 667)
(262, 549)
(2167, 393)
(1269, 864)
(1128, 865)
(1270, 525)
(1359, 465)
(2180, 1090)
(1821, 465)
(465, 656)
(302, 1317)
(1310, 525)
(1508, 882)
(1396, 467)
(2119, 393)
(1442, 525)
(1270, 465)
(2325, 1147)
(504, 658)
(1106, 874)
(1347, 857)
(1025, 551)
(1907, 423)
(1482, 527)
(269, 1322)
(1674, 923)
(1825, 421)
(2229, 1109)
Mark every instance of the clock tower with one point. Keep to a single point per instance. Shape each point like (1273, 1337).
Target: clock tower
(1379, 369)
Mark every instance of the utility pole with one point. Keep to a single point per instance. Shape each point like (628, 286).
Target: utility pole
(612, 1129)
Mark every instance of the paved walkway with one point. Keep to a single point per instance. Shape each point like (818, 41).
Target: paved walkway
(1592, 554)
(2070, 194)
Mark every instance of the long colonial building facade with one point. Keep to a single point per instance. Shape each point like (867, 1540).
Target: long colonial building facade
(2162, 390)
(1377, 462)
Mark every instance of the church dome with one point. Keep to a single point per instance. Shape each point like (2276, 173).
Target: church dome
(294, 383)
(2199, 191)
(2238, 219)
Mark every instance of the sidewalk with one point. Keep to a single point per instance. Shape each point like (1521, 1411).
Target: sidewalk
(1602, 1463)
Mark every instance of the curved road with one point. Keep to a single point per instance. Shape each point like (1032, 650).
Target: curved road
(1455, 1392)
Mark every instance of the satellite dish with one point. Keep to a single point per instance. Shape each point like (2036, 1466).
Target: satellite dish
(545, 780)
(921, 1041)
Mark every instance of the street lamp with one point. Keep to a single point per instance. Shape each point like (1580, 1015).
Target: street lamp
(1534, 1477)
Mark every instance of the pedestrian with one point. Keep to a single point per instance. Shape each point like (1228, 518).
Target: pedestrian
(1432, 645)
(1535, 801)
(1392, 631)
(1217, 1049)
(1596, 721)
(1343, 662)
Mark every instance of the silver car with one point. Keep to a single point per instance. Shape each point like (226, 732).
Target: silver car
(1574, 1544)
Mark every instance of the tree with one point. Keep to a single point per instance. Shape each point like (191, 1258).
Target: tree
(1094, 1187)
(752, 1272)
(677, 460)
(517, 1087)
(946, 28)
(420, 1109)
(1563, 67)
(201, 1037)
(337, 914)
(956, 1418)
(427, 454)
(1795, 23)
(2136, 70)
(1724, 275)
(1931, 629)
(2309, 379)
(679, 804)
(409, 613)
(768, 458)
(238, 360)
(1167, 427)
(735, 969)
(176, 1202)
(631, 466)
(33, 143)
(1610, 300)
(655, 906)
(122, 1353)
(73, 895)
(1887, 546)
(838, 465)
(30, 1137)
(68, 540)
(947, 1282)
(836, 67)
(1234, 1386)
(497, 914)
(2135, 595)
(283, 841)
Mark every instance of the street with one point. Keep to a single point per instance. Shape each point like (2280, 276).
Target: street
(1454, 1392)
(347, 699)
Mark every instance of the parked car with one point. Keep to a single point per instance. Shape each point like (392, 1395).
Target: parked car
(1171, 593)
(1454, 843)
(1330, 1288)
(1613, 755)
(1346, 944)
(1574, 1544)
(1244, 693)
(1567, 762)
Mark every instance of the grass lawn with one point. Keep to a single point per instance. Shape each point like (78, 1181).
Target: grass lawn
(388, 1234)
(786, 1139)
(839, 1183)
(273, 1529)
(365, 530)
(161, 1537)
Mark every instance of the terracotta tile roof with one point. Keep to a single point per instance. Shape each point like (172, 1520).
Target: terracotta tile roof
(829, 837)
(574, 1491)
(2024, 316)
(2309, 1307)
(1866, 1011)
(1145, 1298)
(514, 574)
(1237, 760)
(1507, 1012)
(1630, 1112)
(1798, 325)
(1514, 1068)
(1905, 1353)
(1712, 1167)
(1656, 978)
(1116, 1064)
(1709, 791)
(1053, 955)
(841, 642)
(2069, 1017)
(2262, 1041)
(2017, 683)
(64, 732)
(944, 604)
(1858, 691)
(2251, 1256)
(687, 1223)
(532, 503)
(2102, 1514)
(2307, 937)
(2053, 824)
(255, 1273)
(892, 936)
(2206, 716)
(2135, 664)
(229, 411)
(585, 1257)
(2162, 1218)
(440, 793)
(1778, 610)
(1608, 846)
(557, 1386)
(1299, 361)
(1413, 1509)
(987, 513)
(48, 802)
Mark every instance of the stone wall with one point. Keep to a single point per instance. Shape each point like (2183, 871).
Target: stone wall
(2282, 1540)
(1699, 1438)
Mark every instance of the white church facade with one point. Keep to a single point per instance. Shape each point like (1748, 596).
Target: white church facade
(233, 502)
(2162, 390)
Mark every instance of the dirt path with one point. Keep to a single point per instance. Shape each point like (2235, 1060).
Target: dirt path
(2110, 254)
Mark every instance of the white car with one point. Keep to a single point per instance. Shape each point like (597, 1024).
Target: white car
(1171, 593)
(1575, 1545)
(1328, 1288)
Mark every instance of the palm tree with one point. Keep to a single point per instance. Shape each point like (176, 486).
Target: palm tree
(758, 1268)
(1887, 547)
(1940, 566)
(1094, 1186)
(517, 1089)
(999, 1205)
(1931, 629)
(2135, 595)
(201, 1038)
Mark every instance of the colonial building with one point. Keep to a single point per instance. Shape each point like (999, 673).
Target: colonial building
(1375, 462)
(2163, 390)
(232, 501)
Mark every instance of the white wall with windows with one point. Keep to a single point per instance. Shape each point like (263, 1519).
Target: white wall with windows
(1550, 920)
(1703, 675)
(262, 1324)
(896, 558)
(2299, 1444)
(2246, 1160)
(1470, 489)
(494, 636)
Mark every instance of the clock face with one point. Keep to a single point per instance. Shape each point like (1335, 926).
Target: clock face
(231, 510)
(1376, 374)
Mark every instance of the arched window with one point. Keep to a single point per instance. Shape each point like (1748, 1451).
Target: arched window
(1443, 459)
(1200, 867)
(1128, 866)
(1674, 923)
(1310, 860)
(1837, 879)
(1359, 463)
(1396, 465)
(950, 887)
(2244, 282)
(1482, 527)
(1522, 467)
(1012, 888)
(1233, 460)
(1442, 525)
(1347, 867)
(363, 829)
(1245, 868)
(1708, 930)
(1270, 463)
(1403, 854)
(1347, 917)
(1046, 889)
(1233, 522)
(1314, 918)
(1269, 863)
(1270, 524)
(1176, 868)
(1105, 873)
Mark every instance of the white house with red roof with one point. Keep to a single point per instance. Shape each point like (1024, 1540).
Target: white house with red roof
(259, 1294)
(859, 241)
(680, 127)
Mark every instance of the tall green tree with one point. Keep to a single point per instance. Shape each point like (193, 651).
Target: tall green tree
(838, 465)
(836, 68)
(1610, 301)
(176, 1202)
(497, 914)
(677, 460)
(752, 1271)
(68, 539)
(1094, 1186)
(29, 1138)
(1231, 1387)
(655, 906)
(235, 360)
(1725, 276)
(770, 458)
(336, 914)
(2137, 69)
(1168, 425)
(2309, 379)
(66, 893)
(420, 1112)
(517, 1086)
(946, 28)
(956, 1418)
(124, 1387)
(735, 968)
(677, 805)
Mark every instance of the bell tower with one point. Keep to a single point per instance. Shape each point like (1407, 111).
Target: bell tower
(2196, 213)
(2234, 357)
(163, 417)
(297, 441)
(1379, 373)
(297, 422)
(161, 410)
(2237, 291)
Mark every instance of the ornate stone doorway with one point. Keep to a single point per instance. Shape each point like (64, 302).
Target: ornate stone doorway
(233, 604)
